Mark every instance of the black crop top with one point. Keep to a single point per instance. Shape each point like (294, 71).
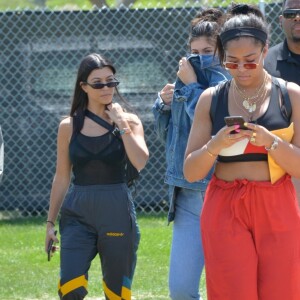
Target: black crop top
(97, 160)
(277, 116)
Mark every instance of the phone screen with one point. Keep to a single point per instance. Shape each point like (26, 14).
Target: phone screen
(235, 120)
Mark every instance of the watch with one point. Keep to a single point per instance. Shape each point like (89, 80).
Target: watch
(274, 145)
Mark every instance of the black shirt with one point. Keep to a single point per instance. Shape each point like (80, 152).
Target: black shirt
(281, 62)
(97, 160)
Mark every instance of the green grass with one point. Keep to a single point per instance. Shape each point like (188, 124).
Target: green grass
(26, 273)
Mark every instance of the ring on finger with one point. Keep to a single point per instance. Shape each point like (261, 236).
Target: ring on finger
(252, 139)
(253, 134)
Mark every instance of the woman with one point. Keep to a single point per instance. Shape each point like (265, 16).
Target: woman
(250, 220)
(173, 122)
(97, 216)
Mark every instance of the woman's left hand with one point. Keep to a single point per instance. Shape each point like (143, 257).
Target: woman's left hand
(259, 135)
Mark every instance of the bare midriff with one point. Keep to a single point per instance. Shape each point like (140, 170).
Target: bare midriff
(253, 171)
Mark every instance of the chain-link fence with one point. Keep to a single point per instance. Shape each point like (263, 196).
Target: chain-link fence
(40, 53)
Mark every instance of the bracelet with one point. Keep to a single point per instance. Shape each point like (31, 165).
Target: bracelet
(274, 145)
(209, 153)
(125, 131)
(52, 223)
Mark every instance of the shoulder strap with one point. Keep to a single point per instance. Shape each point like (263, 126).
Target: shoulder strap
(77, 125)
(99, 120)
(286, 102)
(218, 91)
(112, 128)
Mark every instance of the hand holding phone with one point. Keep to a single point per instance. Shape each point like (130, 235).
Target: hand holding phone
(235, 120)
(50, 249)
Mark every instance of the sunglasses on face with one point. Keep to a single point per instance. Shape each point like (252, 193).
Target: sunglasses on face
(247, 66)
(100, 85)
(291, 13)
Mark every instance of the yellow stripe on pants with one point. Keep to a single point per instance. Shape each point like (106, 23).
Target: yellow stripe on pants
(73, 285)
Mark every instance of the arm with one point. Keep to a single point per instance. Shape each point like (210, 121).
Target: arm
(133, 137)
(198, 162)
(189, 89)
(1, 155)
(162, 110)
(61, 179)
(190, 93)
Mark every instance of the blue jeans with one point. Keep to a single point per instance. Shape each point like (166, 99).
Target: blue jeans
(187, 259)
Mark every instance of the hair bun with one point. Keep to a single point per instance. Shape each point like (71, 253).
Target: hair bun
(240, 9)
(208, 15)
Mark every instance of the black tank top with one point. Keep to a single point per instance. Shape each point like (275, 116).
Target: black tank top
(97, 160)
(277, 116)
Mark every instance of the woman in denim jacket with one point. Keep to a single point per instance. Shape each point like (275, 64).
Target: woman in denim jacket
(174, 117)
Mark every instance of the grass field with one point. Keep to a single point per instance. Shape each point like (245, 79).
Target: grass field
(26, 273)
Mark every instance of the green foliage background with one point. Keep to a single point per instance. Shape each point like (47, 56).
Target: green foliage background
(86, 4)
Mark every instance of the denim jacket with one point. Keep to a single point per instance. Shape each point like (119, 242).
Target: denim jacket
(173, 125)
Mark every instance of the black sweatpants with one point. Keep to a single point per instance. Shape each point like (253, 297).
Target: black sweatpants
(98, 219)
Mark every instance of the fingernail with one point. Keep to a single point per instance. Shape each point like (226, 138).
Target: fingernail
(236, 126)
(237, 130)
(246, 124)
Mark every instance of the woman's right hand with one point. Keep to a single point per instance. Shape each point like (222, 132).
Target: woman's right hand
(226, 138)
(166, 93)
(50, 235)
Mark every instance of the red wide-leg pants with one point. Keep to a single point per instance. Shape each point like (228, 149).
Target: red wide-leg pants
(251, 240)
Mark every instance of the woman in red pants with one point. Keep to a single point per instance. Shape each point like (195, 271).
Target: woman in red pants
(250, 220)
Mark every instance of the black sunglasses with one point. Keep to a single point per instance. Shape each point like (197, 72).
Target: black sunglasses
(100, 85)
(291, 13)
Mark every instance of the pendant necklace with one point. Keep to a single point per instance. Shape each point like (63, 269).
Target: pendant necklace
(250, 113)
(249, 105)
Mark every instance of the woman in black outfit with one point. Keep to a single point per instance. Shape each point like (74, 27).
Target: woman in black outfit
(97, 216)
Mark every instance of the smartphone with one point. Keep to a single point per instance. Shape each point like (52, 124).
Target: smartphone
(50, 246)
(235, 120)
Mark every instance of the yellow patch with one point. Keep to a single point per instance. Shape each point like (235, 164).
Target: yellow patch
(116, 234)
